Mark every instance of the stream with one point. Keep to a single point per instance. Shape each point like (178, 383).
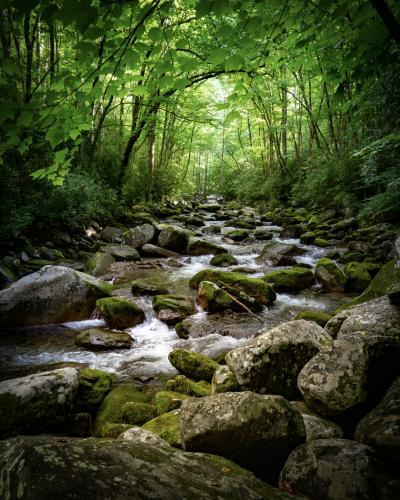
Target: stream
(24, 350)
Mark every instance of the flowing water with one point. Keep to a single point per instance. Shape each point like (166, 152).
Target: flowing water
(147, 360)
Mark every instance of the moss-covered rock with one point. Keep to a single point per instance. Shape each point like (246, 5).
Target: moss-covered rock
(120, 313)
(137, 413)
(167, 427)
(290, 280)
(167, 401)
(173, 308)
(307, 238)
(224, 381)
(94, 385)
(7, 276)
(99, 263)
(254, 287)
(237, 234)
(111, 407)
(358, 277)
(193, 365)
(199, 246)
(320, 317)
(213, 298)
(182, 330)
(121, 252)
(320, 242)
(279, 254)
(329, 274)
(97, 339)
(145, 286)
(113, 430)
(184, 385)
(223, 260)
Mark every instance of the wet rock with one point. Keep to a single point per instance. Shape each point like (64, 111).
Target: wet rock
(158, 251)
(111, 234)
(374, 317)
(224, 381)
(147, 287)
(210, 207)
(111, 408)
(173, 238)
(345, 224)
(182, 384)
(167, 427)
(121, 252)
(320, 317)
(136, 413)
(42, 402)
(211, 230)
(193, 365)
(96, 339)
(139, 235)
(223, 260)
(294, 279)
(347, 378)
(173, 308)
(380, 429)
(263, 233)
(307, 238)
(99, 263)
(214, 299)
(279, 254)
(198, 246)
(320, 242)
(270, 363)
(120, 313)
(94, 385)
(335, 469)
(253, 287)
(167, 401)
(358, 277)
(237, 234)
(331, 277)
(291, 231)
(257, 432)
(54, 294)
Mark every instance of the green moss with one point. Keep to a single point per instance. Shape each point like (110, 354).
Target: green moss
(182, 330)
(320, 242)
(239, 234)
(94, 385)
(223, 260)
(330, 275)
(351, 257)
(147, 287)
(120, 313)
(173, 308)
(318, 316)
(182, 384)
(194, 365)
(112, 430)
(358, 277)
(167, 401)
(291, 280)
(307, 238)
(136, 413)
(167, 427)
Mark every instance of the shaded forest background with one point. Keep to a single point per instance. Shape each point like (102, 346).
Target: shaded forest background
(110, 103)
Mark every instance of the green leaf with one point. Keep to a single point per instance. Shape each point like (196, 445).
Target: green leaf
(6, 113)
(190, 65)
(231, 116)
(235, 62)
(182, 83)
(139, 90)
(55, 135)
(156, 34)
(203, 8)
(60, 155)
(217, 56)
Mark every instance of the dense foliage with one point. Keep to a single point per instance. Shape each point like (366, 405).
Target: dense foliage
(105, 103)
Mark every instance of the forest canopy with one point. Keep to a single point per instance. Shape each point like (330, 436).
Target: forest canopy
(107, 103)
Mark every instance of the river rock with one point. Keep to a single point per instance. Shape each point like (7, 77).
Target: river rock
(320, 317)
(120, 313)
(147, 286)
(121, 252)
(380, 429)
(194, 365)
(184, 385)
(263, 233)
(140, 436)
(167, 427)
(291, 231)
(37, 403)
(210, 207)
(358, 277)
(198, 246)
(173, 308)
(97, 339)
(111, 234)
(214, 299)
(99, 263)
(329, 274)
(316, 426)
(137, 413)
(223, 260)
(173, 238)
(211, 230)
(349, 377)
(336, 469)
(294, 279)
(94, 385)
(279, 254)
(374, 317)
(41, 467)
(270, 363)
(158, 251)
(140, 235)
(257, 432)
(54, 294)
(224, 381)
(167, 401)
(237, 234)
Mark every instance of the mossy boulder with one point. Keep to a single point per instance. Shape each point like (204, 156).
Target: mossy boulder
(167, 427)
(111, 411)
(173, 308)
(193, 365)
(99, 263)
(184, 385)
(146, 286)
(320, 242)
(223, 260)
(113, 430)
(182, 330)
(237, 234)
(320, 317)
(224, 381)
(97, 339)
(358, 277)
(214, 299)
(121, 252)
(167, 401)
(140, 235)
(120, 313)
(279, 254)
(94, 385)
(173, 238)
(137, 413)
(254, 287)
(7, 276)
(329, 274)
(290, 280)
(199, 246)
(307, 238)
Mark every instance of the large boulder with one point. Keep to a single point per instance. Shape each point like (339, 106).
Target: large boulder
(237, 234)
(184, 385)
(257, 432)
(224, 381)
(137, 413)
(167, 427)
(279, 254)
(120, 313)
(253, 287)
(156, 251)
(97, 339)
(380, 429)
(94, 385)
(375, 317)
(358, 277)
(173, 238)
(121, 252)
(213, 298)
(329, 274)
(198, 246)
(99, 263)
(294, 279)
(147, 286)
(54, 294)
(167, 401)
(270, 363)
(173, 308)
(194, 365)
(316, 426)
(139, 235)
(44, 467)
(111, 234)
(223, 260)
(336, 469)
(349, 377)
(42, 402)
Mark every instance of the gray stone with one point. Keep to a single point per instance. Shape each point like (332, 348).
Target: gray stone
(158, 251)
(329, 274)
(271, 362)
(316, 426)
(99, 263)
(198, 246)
(140, 436)
(96, 339)
(111, 234)
(258, 432)
(224, 381)
(121, 252)
(173, 238)
(139, 235)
